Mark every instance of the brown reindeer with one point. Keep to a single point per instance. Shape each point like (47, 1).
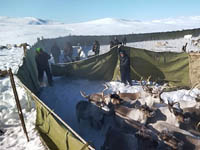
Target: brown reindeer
(141, 113)
(169, 139)
(97, 98)
(190, 141)
(129, 96)
(101, 100)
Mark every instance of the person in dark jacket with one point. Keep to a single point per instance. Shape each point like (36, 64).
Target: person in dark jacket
(55, 50)
(125, 68)
(124, 41)
(116, 41)
(68, 52)
(96, 47)
(41, 59)
(111, 44)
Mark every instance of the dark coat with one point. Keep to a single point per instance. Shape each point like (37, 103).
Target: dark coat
(42, 60)
(116, 42)
(124, 63)
(96, 47)
(55, 51)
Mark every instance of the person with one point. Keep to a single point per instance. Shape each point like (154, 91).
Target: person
(116, 41)
(42, 63)
(68, 52)
(80, 52)
(96, 47)
(55, 50)
(125, 68)
(124, 40)
(111, 44)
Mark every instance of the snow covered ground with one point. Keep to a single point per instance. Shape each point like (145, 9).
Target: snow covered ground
(63, 96)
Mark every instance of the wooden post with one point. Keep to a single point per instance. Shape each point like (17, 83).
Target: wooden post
(18, 103)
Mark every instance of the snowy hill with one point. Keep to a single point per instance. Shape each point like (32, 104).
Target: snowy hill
(17, 30)
(24, 21)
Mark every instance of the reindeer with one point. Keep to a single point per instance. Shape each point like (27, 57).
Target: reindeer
(90, 112)
(97, 98)
(141, 113)
(119, 140)
(151, 96)
(174, 115)
(194, 115)
(129, 96)
(101, 100)
(169, 139)
(149, 138)
(190, 141)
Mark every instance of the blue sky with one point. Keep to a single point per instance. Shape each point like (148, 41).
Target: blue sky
(71, 11)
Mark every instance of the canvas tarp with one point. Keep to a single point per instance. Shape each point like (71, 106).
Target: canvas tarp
(54, 133)
(95, 68)
(162, 66)
(27, 73)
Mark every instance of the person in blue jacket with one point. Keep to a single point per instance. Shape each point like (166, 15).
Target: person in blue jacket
(125, 67)
(41, 59)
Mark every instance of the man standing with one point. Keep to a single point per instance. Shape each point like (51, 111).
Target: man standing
(124, 41)
(96, 47)
(68, 52)
(125, 68)
(55, 50)
(41, 59)
(116, 41)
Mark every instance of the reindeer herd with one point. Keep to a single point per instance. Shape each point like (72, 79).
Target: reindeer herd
(142, 120)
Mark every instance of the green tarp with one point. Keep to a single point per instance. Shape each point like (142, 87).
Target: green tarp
(54, 133)
(96, 68)
(162, 66)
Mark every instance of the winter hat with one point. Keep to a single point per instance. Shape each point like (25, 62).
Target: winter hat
(38, 49)
(121, 52)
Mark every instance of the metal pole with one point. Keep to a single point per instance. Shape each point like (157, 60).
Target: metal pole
(18, 103)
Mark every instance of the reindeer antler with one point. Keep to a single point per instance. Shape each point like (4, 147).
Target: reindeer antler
(106, 87)
(197, 127)
(148, 79)
(170, 106)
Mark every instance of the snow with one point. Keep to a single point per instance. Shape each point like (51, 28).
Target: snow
(20, 30)
(9, 58)
(64, 95)
(14, 137)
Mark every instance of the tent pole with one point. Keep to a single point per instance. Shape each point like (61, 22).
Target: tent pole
(18, 103)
